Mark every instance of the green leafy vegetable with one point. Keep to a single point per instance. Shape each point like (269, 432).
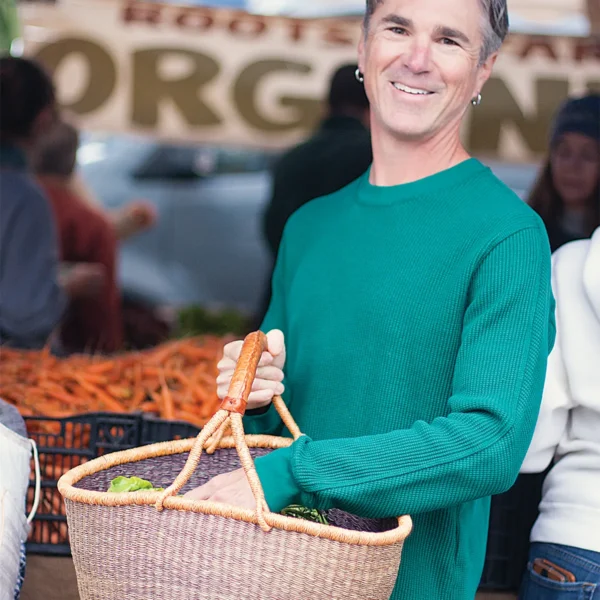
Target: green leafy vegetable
(309, 514)
(196, 320)
(131, 484)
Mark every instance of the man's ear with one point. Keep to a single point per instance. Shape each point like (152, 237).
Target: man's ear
(361, 50)
(485, 70)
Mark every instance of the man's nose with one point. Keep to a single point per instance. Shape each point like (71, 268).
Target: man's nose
(417, 56)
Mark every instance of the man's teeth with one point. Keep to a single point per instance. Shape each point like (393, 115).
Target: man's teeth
(409, 90)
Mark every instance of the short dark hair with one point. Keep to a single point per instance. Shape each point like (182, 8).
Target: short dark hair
(56, 152)
(495, 28)
(26, 89)
(346, 93)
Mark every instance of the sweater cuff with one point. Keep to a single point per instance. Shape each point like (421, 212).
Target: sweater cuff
(275, 474)
(262, 423)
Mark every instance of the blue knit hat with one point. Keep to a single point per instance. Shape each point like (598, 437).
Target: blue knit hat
(578, 115)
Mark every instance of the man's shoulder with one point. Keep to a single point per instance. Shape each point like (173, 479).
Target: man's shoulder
(497, 209)
(322, 209)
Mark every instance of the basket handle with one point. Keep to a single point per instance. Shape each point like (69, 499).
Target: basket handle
(230, 413)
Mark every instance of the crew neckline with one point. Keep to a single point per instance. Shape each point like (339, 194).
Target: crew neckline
(379, 195)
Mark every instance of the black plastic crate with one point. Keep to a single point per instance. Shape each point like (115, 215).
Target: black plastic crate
(68, 442)
(158, 430)
(512, 516)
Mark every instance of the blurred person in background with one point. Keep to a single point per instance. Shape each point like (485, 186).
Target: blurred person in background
(566, 196)
(567, 193)
(87, 234)
(135, 217)
(564, 559)
(84, 236)
(33, 294)
(338, 153)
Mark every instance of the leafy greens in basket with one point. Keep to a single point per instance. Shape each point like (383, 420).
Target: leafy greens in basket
(136, 484)
(131, 484)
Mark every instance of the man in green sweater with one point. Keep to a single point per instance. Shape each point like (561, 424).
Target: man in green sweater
(416, 310)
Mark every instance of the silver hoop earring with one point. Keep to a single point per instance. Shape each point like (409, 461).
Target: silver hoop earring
(359, 76)
(477, 100)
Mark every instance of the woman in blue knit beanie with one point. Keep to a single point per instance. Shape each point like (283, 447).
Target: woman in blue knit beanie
(567, 193)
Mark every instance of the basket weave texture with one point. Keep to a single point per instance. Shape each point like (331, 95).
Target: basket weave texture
(153, 545)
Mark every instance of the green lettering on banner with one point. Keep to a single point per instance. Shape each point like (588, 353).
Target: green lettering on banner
(500, 108)
(102, 71)
(245, 97)
(150, 89)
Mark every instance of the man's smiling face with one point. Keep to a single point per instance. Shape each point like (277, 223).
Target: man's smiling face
(421, 63)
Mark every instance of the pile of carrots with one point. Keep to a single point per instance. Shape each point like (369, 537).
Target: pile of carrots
(174, 381)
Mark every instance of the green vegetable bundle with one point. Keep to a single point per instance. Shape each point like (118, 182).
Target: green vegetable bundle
(131, 484)
(301, 512)
(136, 484)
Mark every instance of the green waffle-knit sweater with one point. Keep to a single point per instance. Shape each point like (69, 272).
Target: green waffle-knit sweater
(418, 320)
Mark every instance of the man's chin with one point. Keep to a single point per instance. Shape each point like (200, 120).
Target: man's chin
(410, 132)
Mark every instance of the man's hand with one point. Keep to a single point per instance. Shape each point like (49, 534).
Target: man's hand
(230, 488)
(82, 280)
(269, 374)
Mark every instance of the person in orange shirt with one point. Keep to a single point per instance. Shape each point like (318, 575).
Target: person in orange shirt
(93, 323)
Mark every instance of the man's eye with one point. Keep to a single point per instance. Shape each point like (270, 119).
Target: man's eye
(399, 30)
(449, 42)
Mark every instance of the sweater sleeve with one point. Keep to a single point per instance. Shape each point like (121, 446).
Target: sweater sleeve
(477, 449)
(557, 402)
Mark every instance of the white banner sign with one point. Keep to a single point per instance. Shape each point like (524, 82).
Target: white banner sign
(215, 75)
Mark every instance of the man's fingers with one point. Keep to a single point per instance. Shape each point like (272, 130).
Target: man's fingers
(260, 399)
(277, 347)
(233, 350)
(204, 492)
(275, 341)
(226, 364)
(229, 360)
(255, 399)
(262, 384)
(224, 381)
(199, 493)
(269, 373)
(224, 377)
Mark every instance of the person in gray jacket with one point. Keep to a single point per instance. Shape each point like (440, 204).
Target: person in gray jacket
(32, 299)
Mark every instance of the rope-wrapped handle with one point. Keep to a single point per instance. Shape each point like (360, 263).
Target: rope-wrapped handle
(243, 376)
(230, 414)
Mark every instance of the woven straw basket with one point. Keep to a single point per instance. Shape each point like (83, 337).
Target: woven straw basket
(158, 546)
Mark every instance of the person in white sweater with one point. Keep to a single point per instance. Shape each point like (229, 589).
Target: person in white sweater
(564, 560)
